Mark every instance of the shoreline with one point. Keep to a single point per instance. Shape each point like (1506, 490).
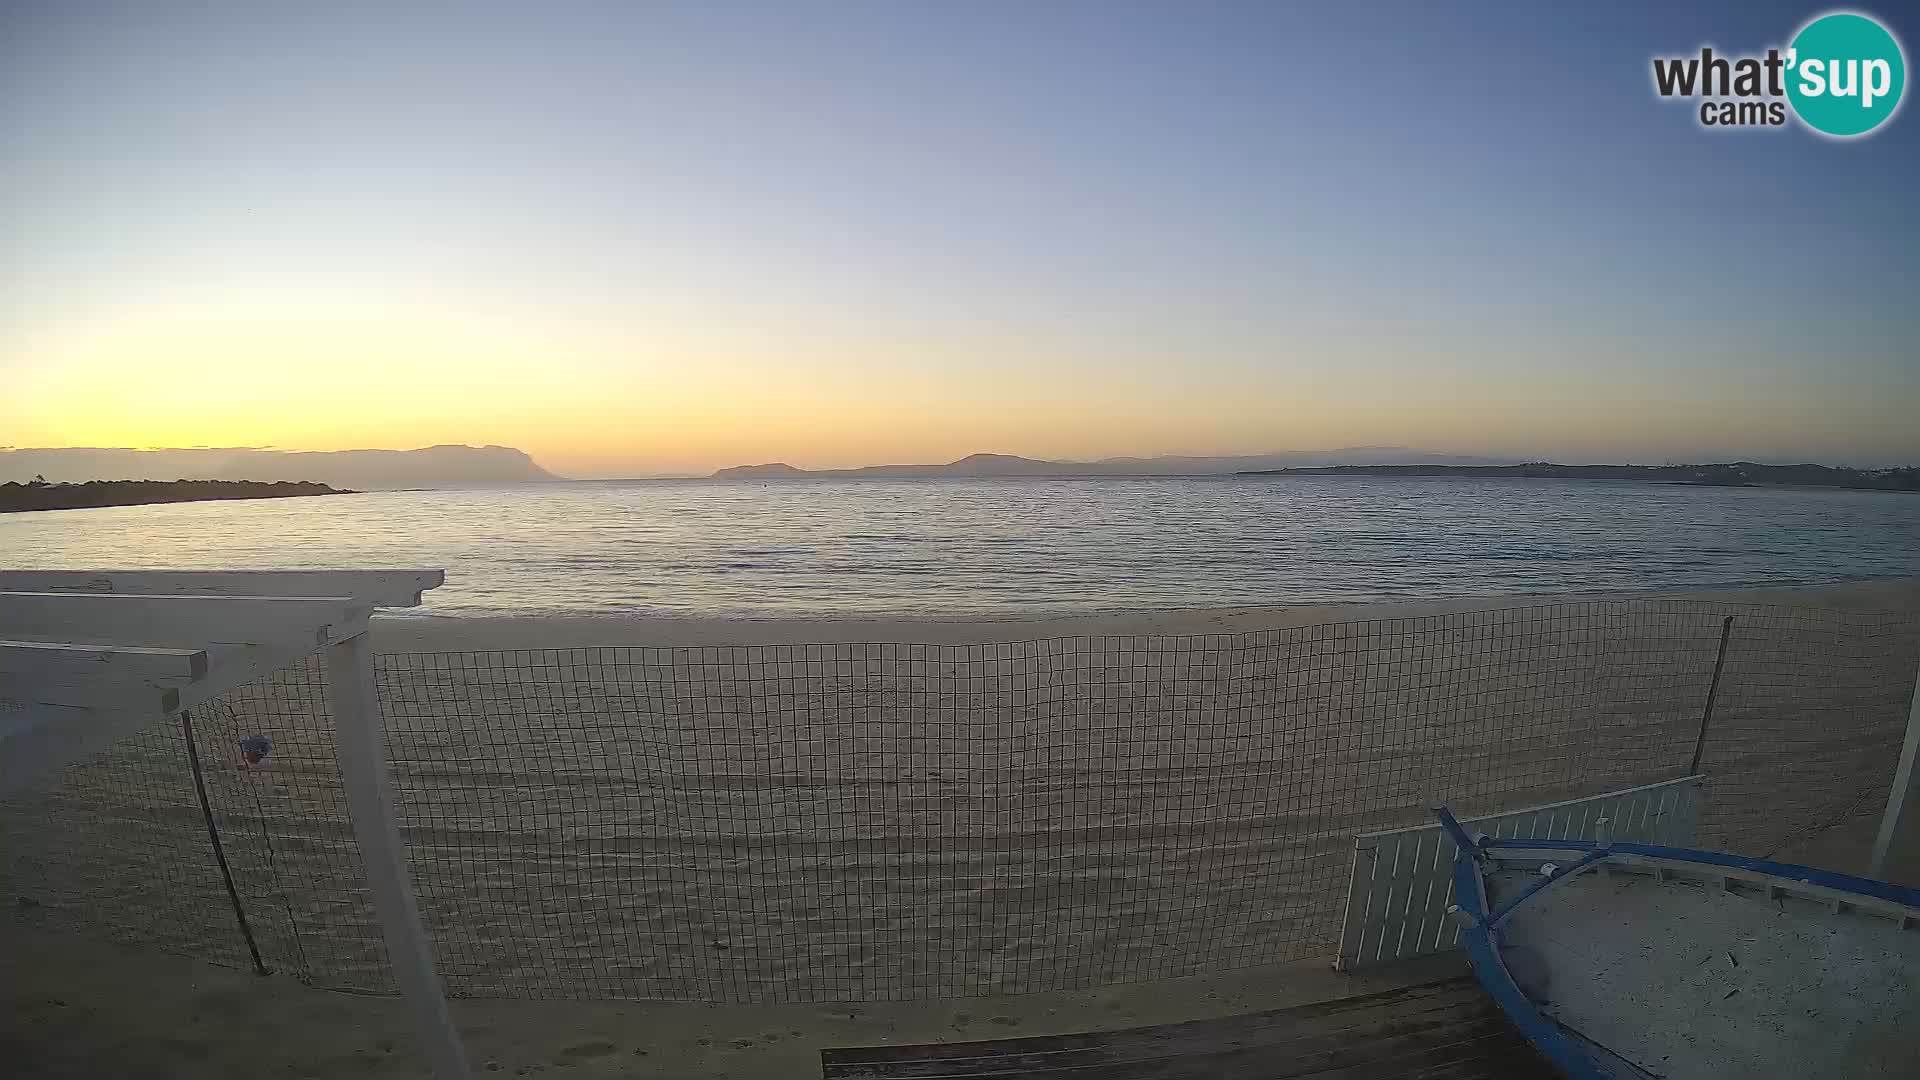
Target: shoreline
(426, 632)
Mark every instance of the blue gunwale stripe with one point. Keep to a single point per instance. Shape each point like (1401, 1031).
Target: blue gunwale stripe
(1483, 954)
(1881, 890)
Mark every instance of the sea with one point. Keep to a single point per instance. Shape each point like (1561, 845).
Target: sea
(1008, 546)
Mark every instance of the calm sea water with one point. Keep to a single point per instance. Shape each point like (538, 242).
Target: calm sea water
(1004, 546)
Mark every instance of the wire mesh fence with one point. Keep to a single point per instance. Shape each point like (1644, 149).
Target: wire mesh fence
(888, 821)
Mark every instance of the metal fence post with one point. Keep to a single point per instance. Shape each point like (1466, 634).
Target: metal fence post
(363, 765)
(1713, 694)
(1905, 793)
(213, 838)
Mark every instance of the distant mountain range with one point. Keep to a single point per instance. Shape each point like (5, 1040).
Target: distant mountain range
(431, 466)
(1006, 465)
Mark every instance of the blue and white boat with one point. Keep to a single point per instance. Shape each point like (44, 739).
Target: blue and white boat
(1634, 960)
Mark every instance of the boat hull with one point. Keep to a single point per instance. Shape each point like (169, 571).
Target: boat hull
(1633, 960)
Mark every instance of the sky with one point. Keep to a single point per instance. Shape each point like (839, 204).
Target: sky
(639, 238)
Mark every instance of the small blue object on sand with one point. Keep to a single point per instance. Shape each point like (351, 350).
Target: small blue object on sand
(1635, 960)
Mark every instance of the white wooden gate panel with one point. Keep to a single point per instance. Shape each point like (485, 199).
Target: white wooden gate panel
(1403, 878)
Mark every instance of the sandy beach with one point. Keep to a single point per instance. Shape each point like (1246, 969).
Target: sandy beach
(600, 808)
(74, 1007)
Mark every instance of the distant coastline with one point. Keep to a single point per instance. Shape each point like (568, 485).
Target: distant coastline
(455, 466)
(19, 498)
(1363, 461)
(984, 465)
(1725, 474)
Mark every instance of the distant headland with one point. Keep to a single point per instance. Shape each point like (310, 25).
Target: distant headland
(427, 467)
(40, 495)
(1724, 474)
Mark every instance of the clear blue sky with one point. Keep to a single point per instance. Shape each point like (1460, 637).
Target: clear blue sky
(643, 237)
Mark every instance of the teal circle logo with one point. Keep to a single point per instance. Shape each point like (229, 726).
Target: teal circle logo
(1845, 74)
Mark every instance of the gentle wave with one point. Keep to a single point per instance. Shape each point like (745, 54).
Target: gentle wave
(1010, 546)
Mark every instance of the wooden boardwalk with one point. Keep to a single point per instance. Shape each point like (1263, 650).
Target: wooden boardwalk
(1437, 1030)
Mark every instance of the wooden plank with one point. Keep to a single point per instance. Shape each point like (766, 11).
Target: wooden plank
(67, 660)
(181, 620)
(1449, 1028)
(1122, 1051)
(133, 696)
(1300, 1038)
(1360, 1057)
(1278, 1024)
(381, 588)
(363, 769)
(97, 676)
(224, 666)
